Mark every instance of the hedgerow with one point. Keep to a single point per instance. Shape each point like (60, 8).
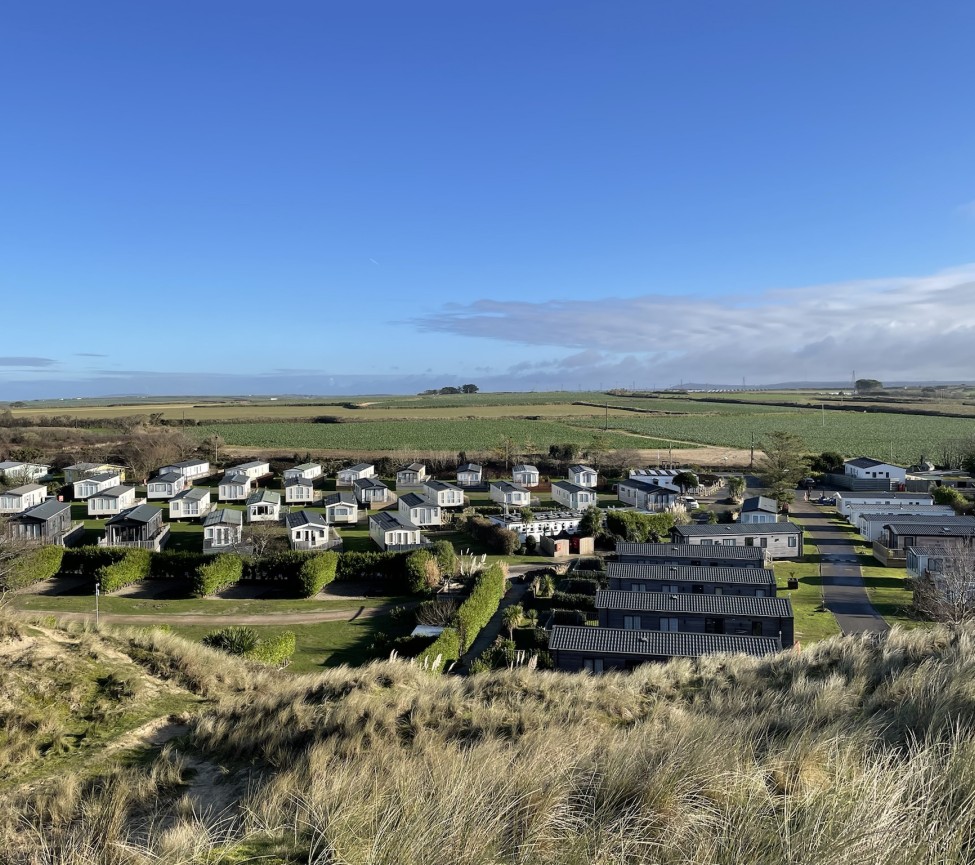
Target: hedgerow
(224, 570)
(316, 572)
(130, 567)
(37, 565)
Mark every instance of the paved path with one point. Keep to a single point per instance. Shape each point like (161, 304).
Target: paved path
(843, 589)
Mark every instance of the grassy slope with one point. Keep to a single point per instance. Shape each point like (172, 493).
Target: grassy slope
(851, 751)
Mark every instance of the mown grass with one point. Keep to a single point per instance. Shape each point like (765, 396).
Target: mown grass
(812, 620)
(321, 645)
(174, 608)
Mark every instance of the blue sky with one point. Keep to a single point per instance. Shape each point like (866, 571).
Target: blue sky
(325, 197)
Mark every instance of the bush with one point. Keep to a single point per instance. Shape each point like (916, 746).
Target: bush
(637, 527)
(245, 643)
(580, 586)
(568, 601)
(130, 567)
(33, 567)
(568, 617)
(276, 651)
(446, 557)
(422, 571)
(497, 538)
(222, 571)
(316, 572)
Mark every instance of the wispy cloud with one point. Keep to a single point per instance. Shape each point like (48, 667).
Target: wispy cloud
(904, 327)
(967, 209)
(89, 354)
(39, 362)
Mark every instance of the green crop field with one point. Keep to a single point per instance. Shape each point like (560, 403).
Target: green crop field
(447, 435)
(900, 437)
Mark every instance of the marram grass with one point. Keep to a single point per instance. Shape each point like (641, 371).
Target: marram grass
(856, 750)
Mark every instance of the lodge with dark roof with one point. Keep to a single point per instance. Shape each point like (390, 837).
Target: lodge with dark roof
(648, 577)
(742, 615)
(595, 650)
(696, 555)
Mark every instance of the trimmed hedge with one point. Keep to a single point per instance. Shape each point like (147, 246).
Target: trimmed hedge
(569, 601)
(175, 565)
(224, 570)
(86, 561)
(36, 565)
(580, 586)
(472, 616)
(447, 645)
(482, 603)
(388, 567)
(316, 572)
(130, 567)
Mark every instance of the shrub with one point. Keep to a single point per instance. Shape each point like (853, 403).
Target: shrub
(446, 557)
(222, 571)
(276, 651)
(316, 572)
(279, 567)
(637, 527)
(245, 643)
(36, 565)
(130, 567)
(422, 571)
(568, 617)
(497, 538)
(568, 601)
(580, 586)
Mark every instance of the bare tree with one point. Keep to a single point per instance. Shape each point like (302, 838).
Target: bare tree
(946, 592)
(146, 451)
(263, 538)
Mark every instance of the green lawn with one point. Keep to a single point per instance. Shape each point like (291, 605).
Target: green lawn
(190, 606)
(812, 622)
(323, 644)
(888, 591)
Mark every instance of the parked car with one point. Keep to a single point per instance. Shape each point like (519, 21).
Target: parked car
(691, 504)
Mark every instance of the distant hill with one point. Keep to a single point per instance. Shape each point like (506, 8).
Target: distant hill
(141, 747)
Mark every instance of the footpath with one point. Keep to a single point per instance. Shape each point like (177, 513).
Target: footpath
(844, 593)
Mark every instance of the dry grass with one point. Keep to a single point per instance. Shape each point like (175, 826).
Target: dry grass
(855, 750)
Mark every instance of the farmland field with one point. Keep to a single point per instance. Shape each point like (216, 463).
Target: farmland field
(903, 438)
(449, 435)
